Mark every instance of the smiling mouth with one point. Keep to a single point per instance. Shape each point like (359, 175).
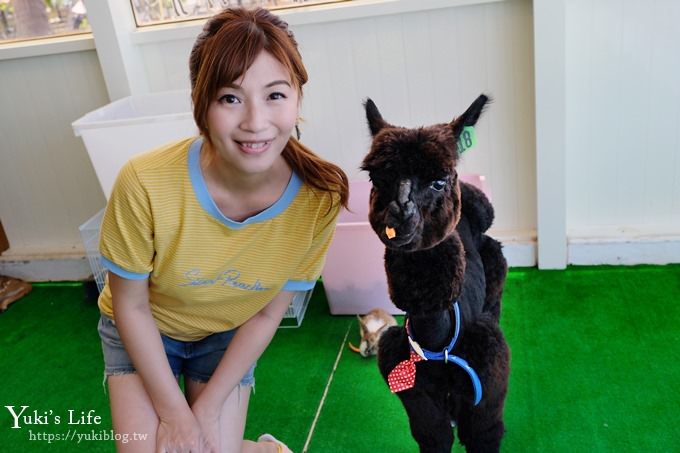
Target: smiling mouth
(254, 147)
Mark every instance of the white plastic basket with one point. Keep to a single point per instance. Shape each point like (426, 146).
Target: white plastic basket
(123, 128)
(296, 309)
(89, 232)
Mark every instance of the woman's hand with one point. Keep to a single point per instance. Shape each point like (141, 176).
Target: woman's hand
(181, 434)
(209, 421)
(178, 429)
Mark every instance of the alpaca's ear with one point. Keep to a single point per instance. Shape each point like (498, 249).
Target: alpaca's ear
(471, 115)
(362, 327)
(375, 120)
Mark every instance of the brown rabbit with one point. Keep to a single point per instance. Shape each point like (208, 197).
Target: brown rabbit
(371, 326)
(11, 290)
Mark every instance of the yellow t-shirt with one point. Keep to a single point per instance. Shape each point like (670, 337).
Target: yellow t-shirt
(208, 273)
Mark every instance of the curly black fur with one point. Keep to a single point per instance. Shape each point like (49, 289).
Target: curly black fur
(440, 253)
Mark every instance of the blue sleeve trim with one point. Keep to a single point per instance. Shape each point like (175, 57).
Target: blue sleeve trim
(297, 285)
(109, 265)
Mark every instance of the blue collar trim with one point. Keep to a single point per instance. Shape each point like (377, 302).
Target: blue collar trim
(208, 204)
(446, 355)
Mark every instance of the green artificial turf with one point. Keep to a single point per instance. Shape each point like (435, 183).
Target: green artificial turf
(595, 359)
(594, 368)
(50, 358)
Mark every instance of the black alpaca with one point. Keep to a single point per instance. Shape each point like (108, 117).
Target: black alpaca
(448, 276)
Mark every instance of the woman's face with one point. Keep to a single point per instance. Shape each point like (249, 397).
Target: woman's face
(251, 119)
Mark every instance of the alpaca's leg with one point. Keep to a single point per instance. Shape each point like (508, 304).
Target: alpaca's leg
(495, 270)
(480, 428)
(430, 422)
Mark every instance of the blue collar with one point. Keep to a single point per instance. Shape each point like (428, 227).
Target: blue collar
(446, 355)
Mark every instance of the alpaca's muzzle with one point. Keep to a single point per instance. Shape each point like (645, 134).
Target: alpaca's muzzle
(401, 212)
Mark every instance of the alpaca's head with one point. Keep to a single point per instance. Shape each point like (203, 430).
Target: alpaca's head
(415, 196)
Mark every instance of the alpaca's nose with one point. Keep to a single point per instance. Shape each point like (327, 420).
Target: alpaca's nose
(401, 212)
(402, 208)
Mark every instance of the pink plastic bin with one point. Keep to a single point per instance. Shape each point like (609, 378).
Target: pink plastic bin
(354, 275)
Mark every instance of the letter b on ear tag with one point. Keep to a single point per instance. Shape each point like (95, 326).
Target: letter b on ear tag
(467, 139)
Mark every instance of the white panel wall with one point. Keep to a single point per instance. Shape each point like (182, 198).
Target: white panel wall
(622, 112)
(47, 185)
(623, 119)
(420, 68)
(167, 64)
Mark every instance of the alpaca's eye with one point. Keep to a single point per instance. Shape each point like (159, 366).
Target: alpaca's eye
(438, 185)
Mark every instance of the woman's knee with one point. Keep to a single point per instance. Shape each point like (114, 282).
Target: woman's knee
(135, 421)
(233, 418)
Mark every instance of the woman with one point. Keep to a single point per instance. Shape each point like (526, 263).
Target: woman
(207, 238)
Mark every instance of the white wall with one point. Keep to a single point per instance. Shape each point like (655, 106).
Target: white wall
(420, 68)
(47, 184)
(623, 125)
(421, 62)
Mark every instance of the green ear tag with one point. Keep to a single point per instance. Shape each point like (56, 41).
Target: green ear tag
(467, 139)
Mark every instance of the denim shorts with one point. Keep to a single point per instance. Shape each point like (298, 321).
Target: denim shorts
(195, 360)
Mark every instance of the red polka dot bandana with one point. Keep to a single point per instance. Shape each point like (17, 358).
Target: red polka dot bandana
(403, 376)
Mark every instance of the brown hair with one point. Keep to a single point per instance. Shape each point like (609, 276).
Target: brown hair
(225, 49)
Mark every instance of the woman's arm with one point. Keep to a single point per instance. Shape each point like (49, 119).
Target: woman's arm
(137, 328)
(250, 341)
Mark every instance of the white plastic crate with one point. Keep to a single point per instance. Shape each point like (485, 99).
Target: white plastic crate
(89, 232)
(117, 131)
(296, 309)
